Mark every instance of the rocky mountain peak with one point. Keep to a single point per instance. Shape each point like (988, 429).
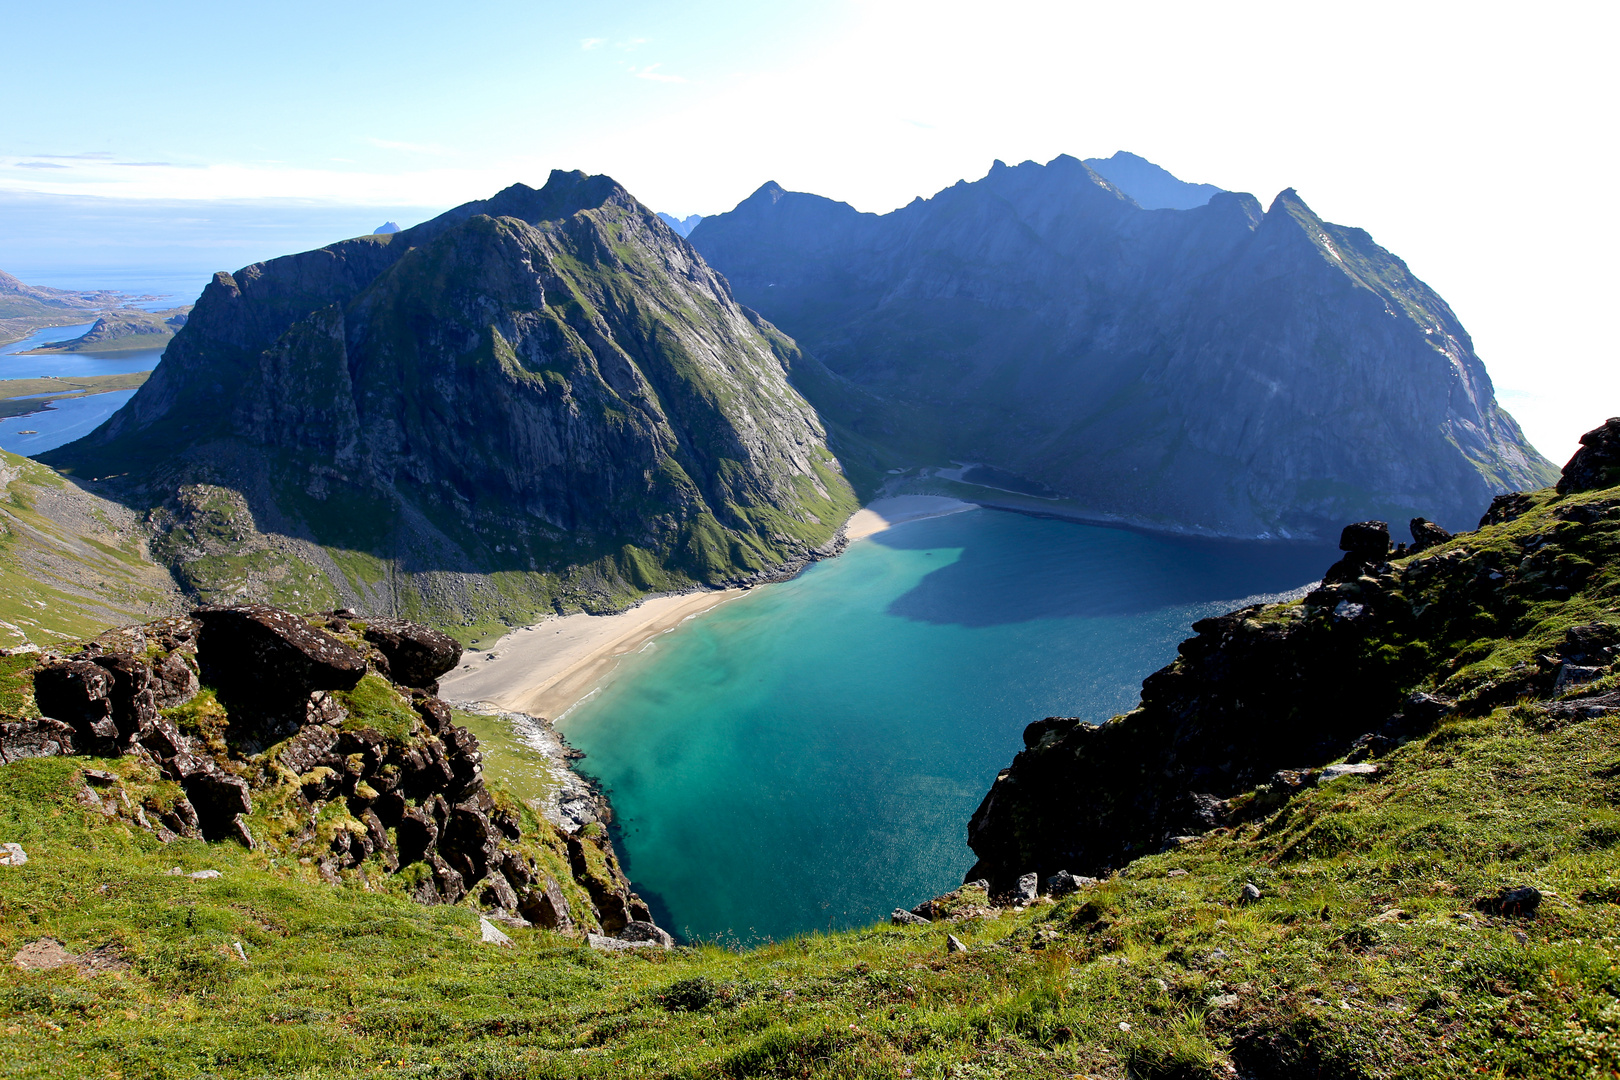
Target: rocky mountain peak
(533, 384)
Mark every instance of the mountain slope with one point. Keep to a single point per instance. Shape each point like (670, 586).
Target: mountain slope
(542, 399)
(1218, 368)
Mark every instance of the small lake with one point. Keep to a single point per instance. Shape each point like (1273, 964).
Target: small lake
(808, 755)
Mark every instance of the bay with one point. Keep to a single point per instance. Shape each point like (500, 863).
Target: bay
(807, 756)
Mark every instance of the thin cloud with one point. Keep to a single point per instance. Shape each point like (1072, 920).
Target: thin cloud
(587, 44)
(151, 164)
(39, 165)
(94, 155)
(651, 72)
(632, 43)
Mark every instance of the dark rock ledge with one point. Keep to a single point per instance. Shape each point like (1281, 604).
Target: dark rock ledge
(320, 740)
(1262, 702)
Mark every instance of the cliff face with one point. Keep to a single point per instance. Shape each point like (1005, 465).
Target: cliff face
(1522, 609)
(549, 386)
(1221, 367)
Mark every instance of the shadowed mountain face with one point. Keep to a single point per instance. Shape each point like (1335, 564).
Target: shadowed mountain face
(545, 398)
(1223, 368)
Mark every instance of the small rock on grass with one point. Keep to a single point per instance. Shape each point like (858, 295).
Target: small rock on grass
(203, 875)
(607, 944)
(12, 855)
(491, 934)
(640, 931)
(46, 954)
(953, 944)
(902, 917)
(1518, 900)
(1027, 889)
(1251, 893)
(1333, 772)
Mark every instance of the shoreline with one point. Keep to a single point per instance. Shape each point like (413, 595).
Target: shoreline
(547, 668)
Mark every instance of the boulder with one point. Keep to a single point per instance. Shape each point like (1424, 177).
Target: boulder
(173, 681)
(608, 944)
(1027, 888)
(544, 905)
(953, 944)
(1426, 534)
(902, 917)
(417, 655)
(79, 693)
(43, 737)
(1597, 463)
(1063, 883)
(1365, 544)
(641, 930)
(488, 933)
(265, 663)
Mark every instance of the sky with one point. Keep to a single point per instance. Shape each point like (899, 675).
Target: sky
(1476, 141)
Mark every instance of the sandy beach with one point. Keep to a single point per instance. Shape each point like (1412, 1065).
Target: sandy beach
(543, 670)
(880, 514)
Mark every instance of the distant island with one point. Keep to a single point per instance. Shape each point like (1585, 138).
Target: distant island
(123, 330)
(25, 309)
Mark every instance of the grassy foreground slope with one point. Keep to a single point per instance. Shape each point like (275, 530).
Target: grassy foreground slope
(1367, 953)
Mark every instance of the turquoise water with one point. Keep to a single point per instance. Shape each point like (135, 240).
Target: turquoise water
(808, 755)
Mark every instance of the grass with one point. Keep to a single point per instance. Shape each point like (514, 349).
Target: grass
(1365, 955)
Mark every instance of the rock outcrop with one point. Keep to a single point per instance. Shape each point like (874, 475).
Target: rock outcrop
(287, 731)
(544, 399)
(1264, 697)
(1597, 463)
(1220, 368)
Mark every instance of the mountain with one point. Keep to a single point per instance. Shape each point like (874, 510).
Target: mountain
(685, 225)
(386, 227)
(1222, 369)
(1153, 188)
(538, 401)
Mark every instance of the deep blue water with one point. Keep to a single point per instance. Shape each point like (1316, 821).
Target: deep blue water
(809, 755)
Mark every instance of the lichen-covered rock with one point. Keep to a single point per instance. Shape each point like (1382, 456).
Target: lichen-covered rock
(42, 737)
(417, 655)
